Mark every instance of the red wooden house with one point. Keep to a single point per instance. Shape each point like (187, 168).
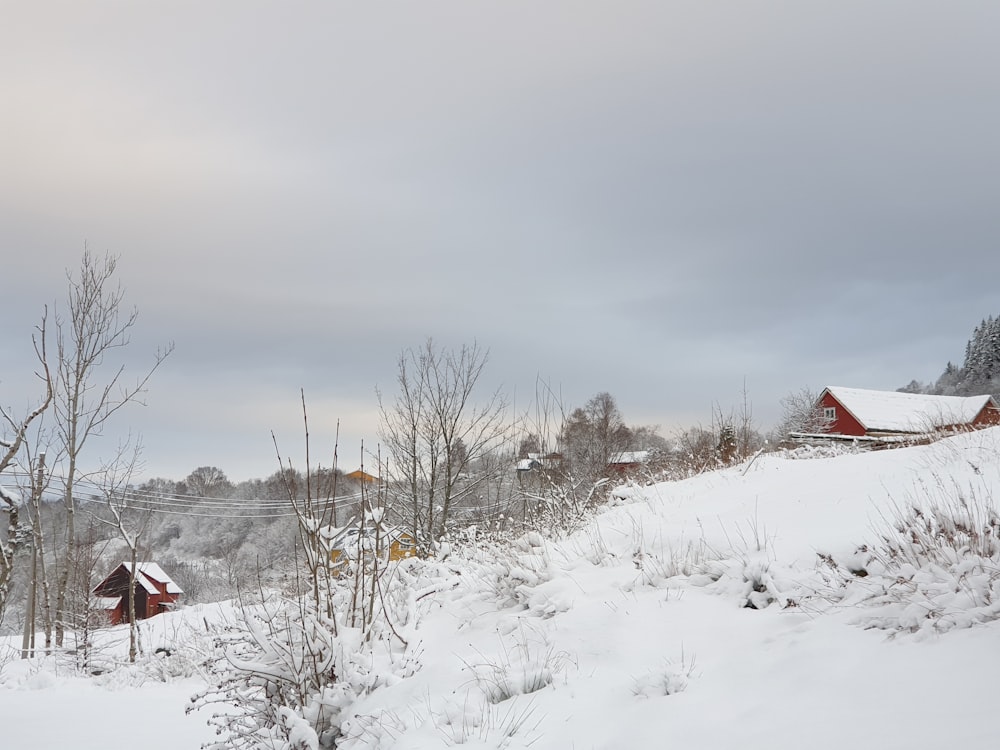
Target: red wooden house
(861, 413)
(628, 462)
(155, 592)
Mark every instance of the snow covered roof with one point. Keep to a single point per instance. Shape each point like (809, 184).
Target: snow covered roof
(107, 602)
(630, 457)
(147, 572)
(8, 494)
(347, 536)
(892, 411)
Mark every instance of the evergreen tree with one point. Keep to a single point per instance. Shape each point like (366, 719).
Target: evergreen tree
(948, 383)
(726, 449)
(980, 370)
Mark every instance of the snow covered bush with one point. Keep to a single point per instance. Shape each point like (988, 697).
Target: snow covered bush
(285, 674)
(531, 665)
(808, 451)
(670, 679)
(935, 566)
(508, 569)
(660, 561)
(288, 670)
(749, 571)
(485, 724)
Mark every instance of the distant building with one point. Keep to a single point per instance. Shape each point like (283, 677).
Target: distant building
(627, 462)
(390, 542)
(155, 592)
(891, 416)
(532, 469)
(361, 476)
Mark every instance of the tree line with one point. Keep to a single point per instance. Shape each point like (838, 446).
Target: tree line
(979, 373)
(450, 456)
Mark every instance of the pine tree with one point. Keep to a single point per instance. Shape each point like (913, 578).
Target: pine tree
(980, 373)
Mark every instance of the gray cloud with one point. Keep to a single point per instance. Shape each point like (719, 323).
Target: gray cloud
(656, 199)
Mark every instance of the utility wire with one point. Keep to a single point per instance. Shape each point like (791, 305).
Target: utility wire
(198, 505)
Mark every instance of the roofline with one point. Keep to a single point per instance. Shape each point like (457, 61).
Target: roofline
(826, 390)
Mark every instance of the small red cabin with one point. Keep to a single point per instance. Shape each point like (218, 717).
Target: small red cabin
(155, 592)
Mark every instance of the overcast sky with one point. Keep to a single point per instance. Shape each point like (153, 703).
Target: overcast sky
(662, 200)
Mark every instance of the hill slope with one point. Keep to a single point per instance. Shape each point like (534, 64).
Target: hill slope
(769, 606)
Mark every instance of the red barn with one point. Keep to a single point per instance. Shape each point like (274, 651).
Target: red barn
(155, 592)
(857, 412)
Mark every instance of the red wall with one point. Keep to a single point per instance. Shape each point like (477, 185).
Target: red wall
(844, 424)
(988, 416)
(117, 583)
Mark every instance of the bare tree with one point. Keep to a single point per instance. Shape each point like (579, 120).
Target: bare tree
(9, 545)
(88, 393)
(593, 435)
(748, 439)
(314, 512)
(130, 524)
(433, 430)
(411, 439)
(206, 481)
(737, 437)
(10, 447)
(696, 450)
(801, 412)
(37, 484)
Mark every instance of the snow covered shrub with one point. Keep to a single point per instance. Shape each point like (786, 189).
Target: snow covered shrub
(7, 654)
(486, 724)
(284, 674)
(748, 569)
(370, 731)
(657, 562)
(821, 450)
(946, 530)
(935, 566)
(287, 672)
(562, 507)
(179, 662)
(531, 665)
(289, 669)
(759, 592)
(671, 679)
(519, 568)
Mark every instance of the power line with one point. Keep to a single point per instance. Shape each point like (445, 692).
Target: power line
(199, 505)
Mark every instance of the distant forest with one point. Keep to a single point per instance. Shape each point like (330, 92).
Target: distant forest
(979, 373)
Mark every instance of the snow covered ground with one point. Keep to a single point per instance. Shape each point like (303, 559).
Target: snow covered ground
(634, 632)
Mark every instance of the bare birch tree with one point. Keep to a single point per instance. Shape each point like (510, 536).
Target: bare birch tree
(9, 544)
(433, 430)
(88, 392)
(37, 484)
(130, 523)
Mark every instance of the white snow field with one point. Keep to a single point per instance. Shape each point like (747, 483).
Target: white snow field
(634, 631)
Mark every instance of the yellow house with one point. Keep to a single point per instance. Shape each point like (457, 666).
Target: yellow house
(361, 476)
(401, 544)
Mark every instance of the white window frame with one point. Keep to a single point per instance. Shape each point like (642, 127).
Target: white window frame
(829, 412)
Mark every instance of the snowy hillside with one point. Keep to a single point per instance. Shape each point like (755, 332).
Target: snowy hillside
(769, 606)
